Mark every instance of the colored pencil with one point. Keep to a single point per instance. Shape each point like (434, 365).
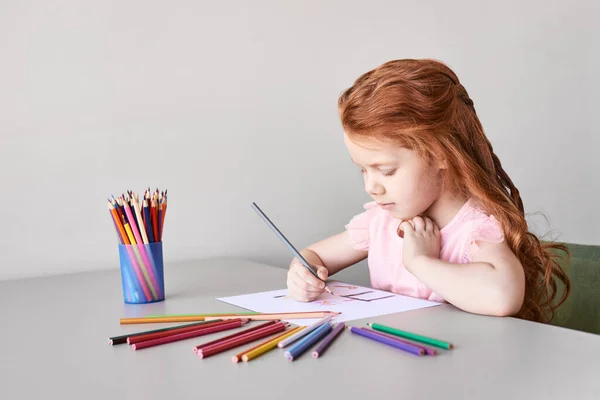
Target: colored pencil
(418, 351)
(262, 348)
(229, 337)
(156, 335)
(304, 344)
(121, 339)
(139, 240)
(164, 213)
(199, 315)
(118, 224)
(145, 259)
(266, 316)
(187, 335)
(135, 259)
(412, 336)
(140, 262)
(177, 318)
(148, 222)
(153, 217)
(299, 335)
(159, 221)
(428, 350)
(324, 345)
(140, 220)
(241, 340)
(289, 245)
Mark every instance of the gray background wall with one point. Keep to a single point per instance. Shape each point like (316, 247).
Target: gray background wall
(225, 103)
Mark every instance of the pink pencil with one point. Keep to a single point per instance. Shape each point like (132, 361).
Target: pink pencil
(142, 248)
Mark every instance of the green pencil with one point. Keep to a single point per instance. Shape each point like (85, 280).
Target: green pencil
(201, 315)
(123, 338)
(412, 336)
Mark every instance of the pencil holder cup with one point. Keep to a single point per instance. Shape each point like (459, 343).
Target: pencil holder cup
(142, 274)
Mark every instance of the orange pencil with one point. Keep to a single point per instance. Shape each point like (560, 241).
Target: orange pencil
(270, 316)
(118, 223)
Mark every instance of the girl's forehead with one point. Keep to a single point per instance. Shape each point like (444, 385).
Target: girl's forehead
(371, 151)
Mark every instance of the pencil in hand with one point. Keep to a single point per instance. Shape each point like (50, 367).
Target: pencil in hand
(288, 244)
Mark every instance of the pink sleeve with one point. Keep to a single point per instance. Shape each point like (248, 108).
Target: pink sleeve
(358, 227)
(489, 230)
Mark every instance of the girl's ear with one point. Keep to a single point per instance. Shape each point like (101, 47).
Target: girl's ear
(441, 163)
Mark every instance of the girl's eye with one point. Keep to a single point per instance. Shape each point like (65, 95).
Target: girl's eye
(389, 173)
(362, 170)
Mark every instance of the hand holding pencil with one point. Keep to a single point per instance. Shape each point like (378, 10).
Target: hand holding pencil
(303, 262)
(304, 286)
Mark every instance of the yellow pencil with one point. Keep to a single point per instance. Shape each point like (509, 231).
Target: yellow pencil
(269, 345)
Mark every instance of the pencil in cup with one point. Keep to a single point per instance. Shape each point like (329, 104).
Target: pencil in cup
(306, 342)
(290, 246)
(418, 351)
(146, 261)
(145, 289)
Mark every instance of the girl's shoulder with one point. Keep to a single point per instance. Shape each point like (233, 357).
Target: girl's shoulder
(472, 225)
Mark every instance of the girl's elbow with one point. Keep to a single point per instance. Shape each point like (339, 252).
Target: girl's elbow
(507, 303)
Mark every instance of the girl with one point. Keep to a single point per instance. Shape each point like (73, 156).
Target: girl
(446, 223)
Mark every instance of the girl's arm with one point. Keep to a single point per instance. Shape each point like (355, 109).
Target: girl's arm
(334, 253)
(493, 284)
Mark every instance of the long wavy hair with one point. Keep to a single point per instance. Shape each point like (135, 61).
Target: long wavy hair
(421, 105)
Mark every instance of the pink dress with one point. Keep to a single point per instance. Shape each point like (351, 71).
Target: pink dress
(375, 230)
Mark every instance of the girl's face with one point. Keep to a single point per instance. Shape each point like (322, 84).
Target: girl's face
(398, 179)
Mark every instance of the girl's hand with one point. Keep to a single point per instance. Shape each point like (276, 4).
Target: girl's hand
(421, 240)
(304, 286)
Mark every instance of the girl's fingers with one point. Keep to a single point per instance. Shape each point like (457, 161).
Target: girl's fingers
(419, 223)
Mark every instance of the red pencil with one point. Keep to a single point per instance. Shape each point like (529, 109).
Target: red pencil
(220, 340)
(176, 331)
(187, 335)
(154, 217)
(230, 344)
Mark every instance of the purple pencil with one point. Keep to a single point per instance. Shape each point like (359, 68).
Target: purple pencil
(328, 340)
(428, 350)
(409, 348)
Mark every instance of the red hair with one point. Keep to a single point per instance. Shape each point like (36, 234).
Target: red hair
(421, 105)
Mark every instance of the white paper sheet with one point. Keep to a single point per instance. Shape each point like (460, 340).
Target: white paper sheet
(354, 302)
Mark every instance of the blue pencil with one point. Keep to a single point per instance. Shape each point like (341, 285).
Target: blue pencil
(305, 343)
(290, 246)
(148, 222)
